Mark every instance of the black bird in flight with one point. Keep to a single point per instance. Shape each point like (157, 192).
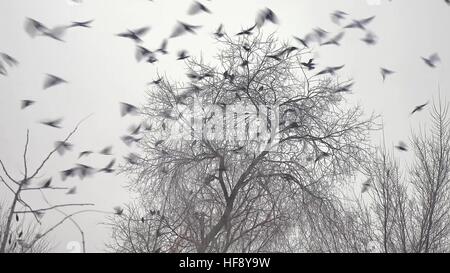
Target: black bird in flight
(163, 48)
(385, 73)
(85, 153)
(361, 24)
(10, 61)
(432, 60)
(142, 52)
(128, 140)
(266, 15)
(84, 24)
(63, 146)
(419, 108)
(56, 123)
(402, 146)
(73, 190)
(330, 70)
(335, 40)
(247, 31)
(219, 32)
(118, 210)
(108, 168)
(52, 80)
(135, 34)
(46, 184)
(106, 151)
(197, 7)
(182, 55)
(35, 28)
(310, 64)
(126, 108)
(304, 41)
(370, 38)
(182, 28)
(26, 103)
(338, 16)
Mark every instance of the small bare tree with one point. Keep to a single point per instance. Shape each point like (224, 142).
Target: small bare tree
(13, 237)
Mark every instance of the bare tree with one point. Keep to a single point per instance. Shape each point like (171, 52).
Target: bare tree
(404, 209)
(241, 194)
(12, 235)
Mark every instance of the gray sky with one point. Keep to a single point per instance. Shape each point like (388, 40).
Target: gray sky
(102, 71)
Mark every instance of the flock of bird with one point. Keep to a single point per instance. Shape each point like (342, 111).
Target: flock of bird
(316, 37)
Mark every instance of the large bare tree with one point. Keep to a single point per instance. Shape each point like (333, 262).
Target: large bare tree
(210, 192)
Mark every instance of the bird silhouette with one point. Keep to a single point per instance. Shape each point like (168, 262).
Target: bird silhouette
(335, 40)
(366, 185)
(56, 123)
(385, 73)
(247, 31)
(432, 60)
(219, 32)
(330, 70)
(419, 108)
(135, 34)
(337, 16)
(26, 103)
(402, 146)
(266, 15)
(83, 24)
(310, 64)
(197, 7)
(63, 146)
(52, 80)
(182, 28)
(361, 24)
(182, 55)
(108, 168)
(127, 109)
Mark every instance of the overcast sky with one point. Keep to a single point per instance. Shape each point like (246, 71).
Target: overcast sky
(102, 71)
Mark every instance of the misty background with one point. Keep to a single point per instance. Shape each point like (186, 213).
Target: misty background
(102, 71)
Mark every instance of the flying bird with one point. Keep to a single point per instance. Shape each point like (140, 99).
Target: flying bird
(402, 146)
(419, 108)
(106, 151)
(335, 40)
(247, 31)
(385, 73)
(366, 185)
(163, 48)
(108, 168)
(8, 59)
(432, 60)
(330, 70)
(52, 80)
(182, 55)
(135, 34)
(197, 7)
(26, 103)
(85, 153)
(63, 146)
(337, 16)
(266, 15)
(310, 64)
(126, 108)
(219, 32)
(118, 210)
(182, 28)
(142, 52)
(361, 24)
(370, 38)
(53, 123)
(83, 24)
